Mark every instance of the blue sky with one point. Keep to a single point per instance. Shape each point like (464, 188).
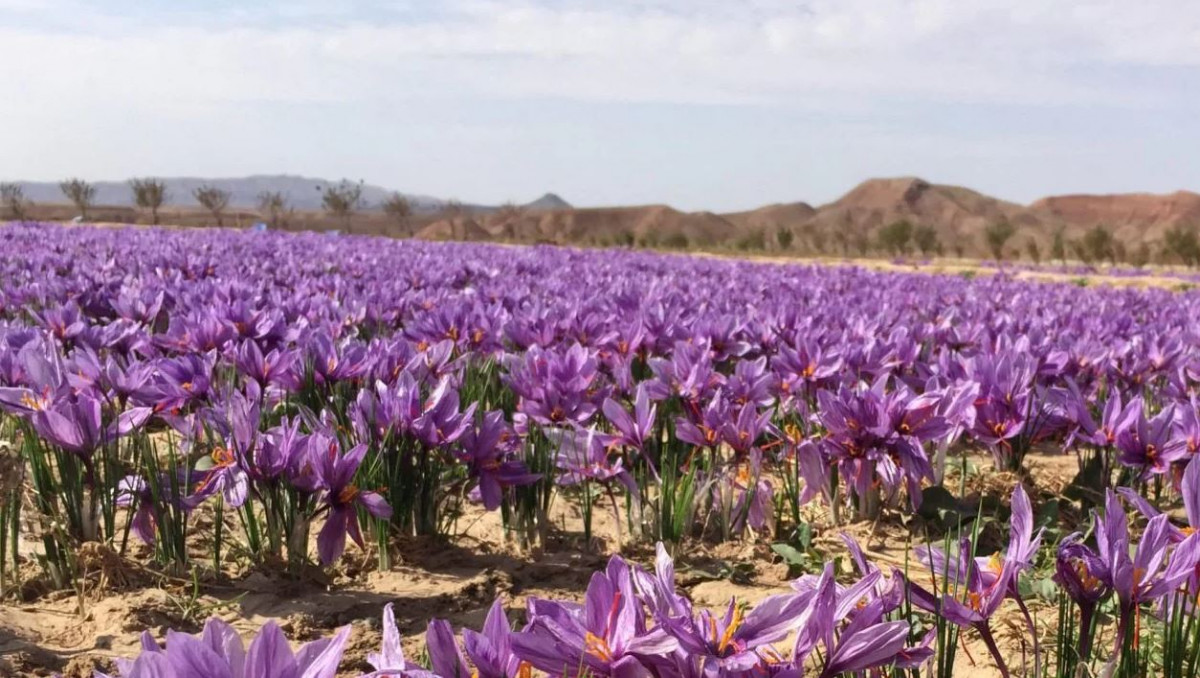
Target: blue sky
(697, 103)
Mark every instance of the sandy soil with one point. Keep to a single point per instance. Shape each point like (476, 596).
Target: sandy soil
(1157, 277)
(457, 579)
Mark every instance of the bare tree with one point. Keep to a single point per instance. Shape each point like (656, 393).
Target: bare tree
(80, 193)
(274, 207)
(926, 239)
(894, 237)
(1183, 244)
(400, 209)
(13, 198)
(1035, 252)
(212, 199)
(1058, 246)
(818, 238)
(149, 194)
(510, 211)
(1100, 244)
(996, 235)
(452, 209)
(342, 200)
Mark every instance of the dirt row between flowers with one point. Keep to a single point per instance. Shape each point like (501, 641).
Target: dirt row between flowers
(1154, 279)
(457, 579)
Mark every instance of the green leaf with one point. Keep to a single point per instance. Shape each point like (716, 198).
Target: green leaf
(804, 536)
(790, 554)
(1048, 515)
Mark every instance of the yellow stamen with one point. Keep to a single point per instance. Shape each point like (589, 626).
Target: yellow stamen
(995, 565)
(597, 647)
(734, 625)
(31, 402)
(222, 457)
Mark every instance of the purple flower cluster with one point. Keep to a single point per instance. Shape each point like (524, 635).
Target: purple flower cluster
(631, 624)
(335, 382)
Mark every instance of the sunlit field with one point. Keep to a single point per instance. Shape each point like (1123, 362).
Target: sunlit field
(238, 454)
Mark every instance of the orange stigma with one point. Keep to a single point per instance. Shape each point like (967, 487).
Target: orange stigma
(734, 625)
(348, 494)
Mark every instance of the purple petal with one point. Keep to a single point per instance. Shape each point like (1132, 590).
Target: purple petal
(375, 504)
(193, 659)
(320, 659)
(869, 648)
(269, 655)
(331, 541)
(444, 655)
(152, 665)
(223, 640)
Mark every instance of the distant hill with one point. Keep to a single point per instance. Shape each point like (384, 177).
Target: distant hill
(958, 215)
(1132, 216)
(303, 193)
(773, 217)
(548, 202)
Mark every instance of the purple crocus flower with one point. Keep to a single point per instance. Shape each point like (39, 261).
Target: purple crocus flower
(131, 491)
(606, 635)
(804, 368)
(658, 590)
(703, 428)
(1148, 574)
(866, 642)
(556, 388)
(218, 653)
(1189, 489)
(873, 433)
(75, 424)
(181, 381)
(38, 380)
(342, 499)
(275, 368)
(743, 431)
(225, 476)
(982, 583)
(727, 644)
(582, 455)
(736, 641)
(333, 363)
(390, 659)
(490, 649)
(632, 431)
(1150, 444)
(444, 655)
(1077, 569)
(440, 421)
(485, 455)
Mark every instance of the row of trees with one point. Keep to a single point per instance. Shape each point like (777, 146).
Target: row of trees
(341, 200)
(1179, 245)
(344, 200)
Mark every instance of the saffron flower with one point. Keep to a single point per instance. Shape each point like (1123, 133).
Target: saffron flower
(341, 499)
(606, 635)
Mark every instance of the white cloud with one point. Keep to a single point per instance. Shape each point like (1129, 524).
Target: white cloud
(107, 91)
(1025, 51)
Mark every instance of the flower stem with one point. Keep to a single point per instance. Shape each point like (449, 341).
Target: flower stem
(985, 632)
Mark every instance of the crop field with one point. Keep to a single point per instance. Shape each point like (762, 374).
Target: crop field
(259, 455)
